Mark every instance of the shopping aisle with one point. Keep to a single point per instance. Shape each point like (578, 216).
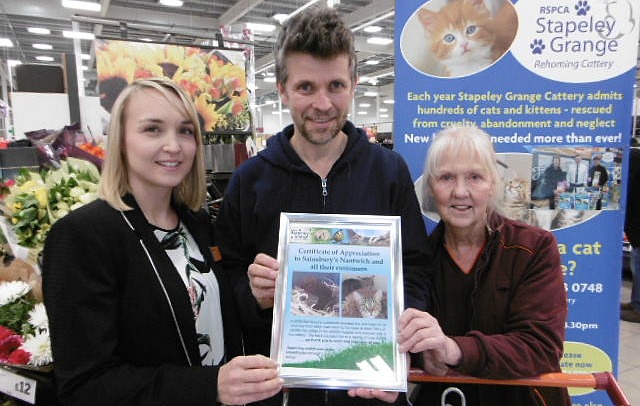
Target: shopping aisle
(629, 366)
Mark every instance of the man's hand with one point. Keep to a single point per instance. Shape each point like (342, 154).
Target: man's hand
(248, 379)
(262, 279)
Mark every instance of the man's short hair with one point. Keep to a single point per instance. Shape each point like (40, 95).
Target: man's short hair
(319, 32)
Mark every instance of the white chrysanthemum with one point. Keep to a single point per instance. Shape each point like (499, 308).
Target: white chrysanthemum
(39, 346)
(38, 317)
(10, 291)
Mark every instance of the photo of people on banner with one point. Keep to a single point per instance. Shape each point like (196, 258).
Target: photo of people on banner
(555, 187)
(214, 78)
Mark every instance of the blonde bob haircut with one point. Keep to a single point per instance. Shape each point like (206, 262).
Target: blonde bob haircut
(467, 144)
(114, 182)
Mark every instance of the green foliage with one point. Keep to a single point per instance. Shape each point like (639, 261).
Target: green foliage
(349, 357)
(15, 315)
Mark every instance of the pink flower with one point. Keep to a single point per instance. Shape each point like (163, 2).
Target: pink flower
(6, 332)
(20, 357)
(9, 344)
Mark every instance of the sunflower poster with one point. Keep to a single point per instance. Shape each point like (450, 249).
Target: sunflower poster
(215, 78)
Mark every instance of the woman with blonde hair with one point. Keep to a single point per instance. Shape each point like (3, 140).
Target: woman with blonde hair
(137, 312)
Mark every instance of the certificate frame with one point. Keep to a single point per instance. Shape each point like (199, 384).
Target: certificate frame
(338, 298)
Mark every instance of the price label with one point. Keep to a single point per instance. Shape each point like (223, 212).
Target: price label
(18, 386)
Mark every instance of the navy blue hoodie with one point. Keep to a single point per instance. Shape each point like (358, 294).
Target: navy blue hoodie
(366, 179)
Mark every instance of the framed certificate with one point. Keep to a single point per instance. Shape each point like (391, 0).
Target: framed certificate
(338, 299)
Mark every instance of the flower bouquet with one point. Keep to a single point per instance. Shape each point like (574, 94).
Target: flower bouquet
(24, 327)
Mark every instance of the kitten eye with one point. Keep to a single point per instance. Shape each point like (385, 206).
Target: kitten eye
(471, 29)
(449, 38)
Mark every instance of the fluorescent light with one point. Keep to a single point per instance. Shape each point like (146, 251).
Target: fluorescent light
(362, 113)
(146, 39)
(384, 109)
(171, 3)
(84, 67)
(280, 17)
(384, 115)
(372, 29)
(42, 46)
(78, 34)
(81, 5)
(261, 27)
(365, 105)
(270, 79)
(44, 58)
(6, 42)
(13, 62)
(388, 101)
(375, 20)
(379, 41)
(39, 30)
(85, 57)
(296, 11)
(370, 93)
(371, 62)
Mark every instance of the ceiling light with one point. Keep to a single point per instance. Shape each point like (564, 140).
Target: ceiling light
(44, 58)
(365, 105)
(81, 5)
(372, 29)
(171, 3)
(362, 113)
(84, 67)
(384, 110)
(85, 57)
(370, 93)
(384, 115)
(6, 42)
(388, 101)
(280, 17)
(375, 20)
(39, 30)
(42, 46)
(379, 41)
(78, 34)
(261, 27)
(283, 17)
(146, 39)
(270, 79)
(371, 62)
(13, 62)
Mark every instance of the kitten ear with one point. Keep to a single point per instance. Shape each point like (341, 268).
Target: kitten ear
(479, 5)
(427, 18)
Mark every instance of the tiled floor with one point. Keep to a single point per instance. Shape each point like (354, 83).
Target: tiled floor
(629, 366)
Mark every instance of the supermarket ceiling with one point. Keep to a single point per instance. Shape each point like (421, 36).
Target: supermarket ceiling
(196, 22)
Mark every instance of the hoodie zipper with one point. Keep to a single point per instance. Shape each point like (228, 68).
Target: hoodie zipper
(324, 193)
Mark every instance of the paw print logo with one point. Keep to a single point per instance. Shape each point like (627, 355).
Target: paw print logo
(537, 46)
(582, 7)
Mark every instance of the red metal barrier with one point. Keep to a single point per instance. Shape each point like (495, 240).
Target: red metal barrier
(596, 380)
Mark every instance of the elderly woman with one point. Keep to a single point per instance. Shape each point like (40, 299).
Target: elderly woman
(498, 302)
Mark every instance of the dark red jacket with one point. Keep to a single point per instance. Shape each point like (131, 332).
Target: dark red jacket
(519, 309)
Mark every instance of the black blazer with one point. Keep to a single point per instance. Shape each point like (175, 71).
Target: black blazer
(113, 325)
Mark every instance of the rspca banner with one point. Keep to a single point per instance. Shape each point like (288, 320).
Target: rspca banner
(552, 83)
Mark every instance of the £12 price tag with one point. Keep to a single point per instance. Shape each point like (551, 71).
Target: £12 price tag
(18, 386)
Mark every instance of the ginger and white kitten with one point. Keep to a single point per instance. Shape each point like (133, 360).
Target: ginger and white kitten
(465, 37)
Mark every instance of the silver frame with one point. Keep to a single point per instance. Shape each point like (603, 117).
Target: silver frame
(391, 377)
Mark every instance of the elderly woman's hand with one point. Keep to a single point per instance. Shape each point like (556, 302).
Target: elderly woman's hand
(419, 332)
